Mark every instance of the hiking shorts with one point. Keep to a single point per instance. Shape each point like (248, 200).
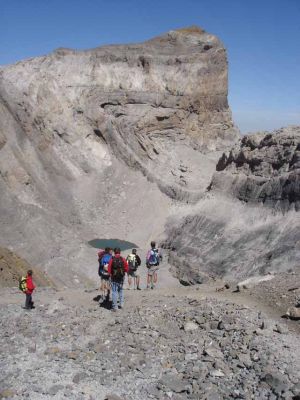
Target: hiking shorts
(105, 277)
(133, 274)
(152, 269)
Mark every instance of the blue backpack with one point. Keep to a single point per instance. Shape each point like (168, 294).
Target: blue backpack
(153, 257)
(104, 261)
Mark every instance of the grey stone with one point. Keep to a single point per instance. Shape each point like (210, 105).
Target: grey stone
(217, 373)
(80, 376)
(213, 352)
(7, 393)
(213, 395)
(293, 313)
(190, 326)
(277, 381)
(281, 329)
(112, 396)
(53, 390)
(173, 383)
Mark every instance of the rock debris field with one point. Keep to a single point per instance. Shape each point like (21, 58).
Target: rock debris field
(175, 343)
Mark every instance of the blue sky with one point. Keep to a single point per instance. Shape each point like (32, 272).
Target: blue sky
(262, 38)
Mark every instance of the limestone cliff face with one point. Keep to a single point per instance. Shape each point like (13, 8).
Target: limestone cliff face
(91, 141)
(155, 105)
(263, 168)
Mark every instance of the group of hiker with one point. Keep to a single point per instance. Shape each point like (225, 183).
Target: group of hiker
(113, 269)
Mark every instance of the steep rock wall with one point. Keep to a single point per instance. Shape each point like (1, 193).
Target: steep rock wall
(263, 168)
(154, 104)
(78, 128)
(231, 233)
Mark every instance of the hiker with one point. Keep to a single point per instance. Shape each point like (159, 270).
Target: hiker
(104, 258)
(134, 262)
(152, 263)
(29, 287)
(100, 254)
(117, 268)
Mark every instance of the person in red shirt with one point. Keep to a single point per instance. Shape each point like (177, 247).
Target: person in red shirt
(30, 286)
(117, 268)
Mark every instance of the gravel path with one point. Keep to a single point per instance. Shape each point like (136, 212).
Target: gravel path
(173, 342)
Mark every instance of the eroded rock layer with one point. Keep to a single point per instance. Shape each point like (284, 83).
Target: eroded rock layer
(230, 233)
(153, 104)
(263, 168)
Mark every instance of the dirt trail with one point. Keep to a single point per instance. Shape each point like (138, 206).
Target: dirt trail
(167, 286)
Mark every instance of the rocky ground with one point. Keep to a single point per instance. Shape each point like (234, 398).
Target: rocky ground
(279, 293)
(169, 343)
(13, 267)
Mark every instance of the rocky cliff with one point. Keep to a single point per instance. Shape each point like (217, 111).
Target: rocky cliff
(230, 233)
(90, 141)
(139, 100)
(263, 168)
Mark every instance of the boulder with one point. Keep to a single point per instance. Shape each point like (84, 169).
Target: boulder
(293, 313)
(253, 281)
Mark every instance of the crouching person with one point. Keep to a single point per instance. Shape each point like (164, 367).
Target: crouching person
(117, 268)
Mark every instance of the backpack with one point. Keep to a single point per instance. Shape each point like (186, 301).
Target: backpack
(100, 254)
(132, 262)
(153, 257)
(117, 269)
(105, 260)
(103, 264)
(23, 284)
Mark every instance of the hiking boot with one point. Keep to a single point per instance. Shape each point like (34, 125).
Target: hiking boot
(138, 288)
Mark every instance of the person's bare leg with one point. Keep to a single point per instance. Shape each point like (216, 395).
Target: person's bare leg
(138, 282)
(102, 289)
(129, 281)
(151, 280)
